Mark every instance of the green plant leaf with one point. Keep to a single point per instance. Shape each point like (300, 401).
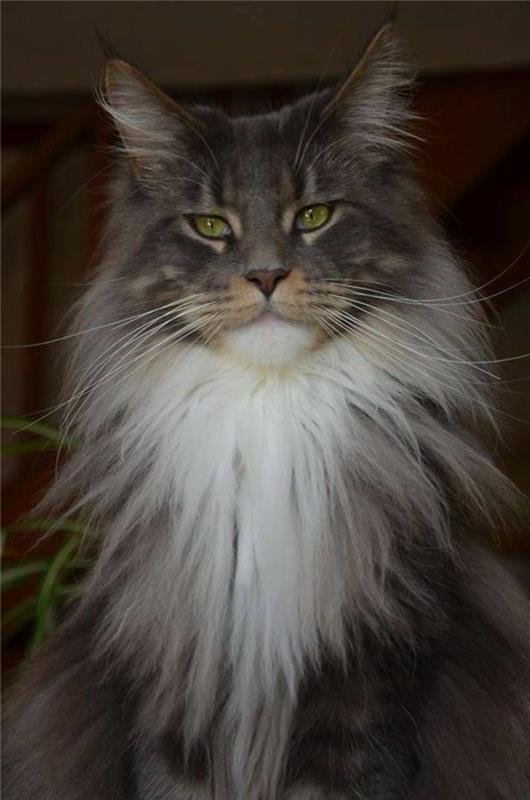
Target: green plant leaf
(46, 598)
(68, 590)
(23, 425)
(82, 563)
(12, 576)
(18, 448)
(20, 425)
(17, 616)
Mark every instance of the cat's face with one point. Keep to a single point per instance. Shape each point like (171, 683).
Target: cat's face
(251, 234)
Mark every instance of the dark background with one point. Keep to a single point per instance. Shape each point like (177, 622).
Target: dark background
(473, 92)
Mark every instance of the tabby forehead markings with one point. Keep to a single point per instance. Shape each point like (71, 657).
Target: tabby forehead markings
(288, 216)
(143, 282)
(235, 224)
(287, 604)
(169, 272)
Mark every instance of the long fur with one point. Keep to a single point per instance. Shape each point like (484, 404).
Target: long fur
(288, 523)
(257, 518)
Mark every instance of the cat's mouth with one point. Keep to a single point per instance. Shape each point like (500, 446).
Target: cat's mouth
(270, 337)
(270, 340)
(277, 328)
(266, 318)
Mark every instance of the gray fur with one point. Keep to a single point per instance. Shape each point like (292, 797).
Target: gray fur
(288, 602)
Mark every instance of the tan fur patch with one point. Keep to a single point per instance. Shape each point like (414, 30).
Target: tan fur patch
(293, 299)
(243, 303)
(290, 298)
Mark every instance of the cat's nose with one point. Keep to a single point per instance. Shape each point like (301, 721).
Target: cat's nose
(266, 281)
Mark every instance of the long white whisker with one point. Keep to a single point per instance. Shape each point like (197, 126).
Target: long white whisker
(308, 142)
(358, 289)
(420, 335)
(344, 315)
(169, 341)
(427, 370)
(117, 370)
(151, 325)
(146, 331)
(116, 324)
(140, 339)
(474, 293)
(311, 107)
(53, 409)
(473, 363)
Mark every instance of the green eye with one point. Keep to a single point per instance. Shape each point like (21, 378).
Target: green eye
(312, 217)
(212, 227)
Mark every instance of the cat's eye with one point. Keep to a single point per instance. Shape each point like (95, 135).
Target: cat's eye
(312, 217)
(211, 227)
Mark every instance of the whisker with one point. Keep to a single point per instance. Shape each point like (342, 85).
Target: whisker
(184, 332)
(146, 331)
(74, 334)
(324, 150)
(420, 335)
(426, 370)
(346, 316)
(87, 183)
(477, 362)
(173, 314)
(47, 412)
(357, 289)
(474, 293)
(143, 333)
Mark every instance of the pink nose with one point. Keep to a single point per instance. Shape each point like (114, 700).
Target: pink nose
(267, 281)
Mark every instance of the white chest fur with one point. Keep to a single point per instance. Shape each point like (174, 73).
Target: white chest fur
(251, 460)
(262, 460)
(263, 547)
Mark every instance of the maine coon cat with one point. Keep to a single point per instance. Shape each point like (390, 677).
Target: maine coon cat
(278, 382)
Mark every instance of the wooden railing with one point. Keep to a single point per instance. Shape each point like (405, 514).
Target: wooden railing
(29, 178)
(34, 165)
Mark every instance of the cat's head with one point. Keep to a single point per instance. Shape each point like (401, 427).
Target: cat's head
(257, 234)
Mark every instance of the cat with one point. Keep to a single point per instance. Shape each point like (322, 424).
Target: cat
(279, 387)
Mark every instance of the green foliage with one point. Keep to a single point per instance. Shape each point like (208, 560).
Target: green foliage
(45, 583)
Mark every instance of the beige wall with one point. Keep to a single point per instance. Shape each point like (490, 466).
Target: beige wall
(53, 45)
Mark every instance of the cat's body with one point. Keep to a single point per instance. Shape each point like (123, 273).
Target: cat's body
(448, 722)
(287, 602)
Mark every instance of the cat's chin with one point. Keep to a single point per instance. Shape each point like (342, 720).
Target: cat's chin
(269, 340)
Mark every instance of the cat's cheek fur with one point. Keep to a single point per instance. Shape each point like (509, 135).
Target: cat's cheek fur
(285, 605)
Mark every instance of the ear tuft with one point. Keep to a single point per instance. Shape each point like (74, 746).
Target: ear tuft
(148, 121)
(135, 106)
(374, 100)
(108, 48)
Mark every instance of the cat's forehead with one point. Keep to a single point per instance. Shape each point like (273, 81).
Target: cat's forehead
(258, 161)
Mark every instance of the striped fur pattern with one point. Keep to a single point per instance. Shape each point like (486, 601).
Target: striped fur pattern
(289, 601)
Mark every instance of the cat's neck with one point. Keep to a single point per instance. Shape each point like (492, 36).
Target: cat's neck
(269, 527)
(257, 525)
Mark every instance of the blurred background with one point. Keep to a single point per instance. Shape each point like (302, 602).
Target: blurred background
(474, 95)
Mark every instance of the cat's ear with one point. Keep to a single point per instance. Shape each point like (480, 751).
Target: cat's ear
(150, 124)
(373, 102)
